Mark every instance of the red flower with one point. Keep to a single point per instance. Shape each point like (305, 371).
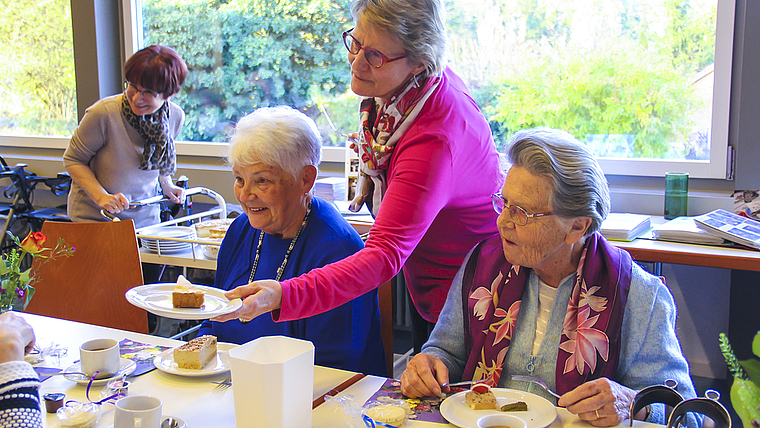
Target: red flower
(33, 242)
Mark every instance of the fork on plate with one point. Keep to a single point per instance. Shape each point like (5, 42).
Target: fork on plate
(538, 381)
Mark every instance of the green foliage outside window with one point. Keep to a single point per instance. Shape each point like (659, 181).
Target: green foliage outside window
(37, 83)
(245, 54)
(626, 87)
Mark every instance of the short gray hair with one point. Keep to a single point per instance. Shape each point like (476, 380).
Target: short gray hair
(417, 25)
(276, 136)
(579, 188)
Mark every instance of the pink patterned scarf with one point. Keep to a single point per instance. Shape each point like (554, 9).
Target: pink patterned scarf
(381, 128)
(589, 345)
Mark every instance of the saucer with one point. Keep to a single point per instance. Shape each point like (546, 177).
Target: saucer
(180, 422)
(127, 367)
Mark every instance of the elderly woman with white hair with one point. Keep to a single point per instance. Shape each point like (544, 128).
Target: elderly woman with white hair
(287, 231)
(550, 297)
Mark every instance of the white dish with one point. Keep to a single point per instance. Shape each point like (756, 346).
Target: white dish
(168, 246)
(540, 412)
(220, 364)
(127, 367)
(180, 422)
(211, 251)
(157, 299)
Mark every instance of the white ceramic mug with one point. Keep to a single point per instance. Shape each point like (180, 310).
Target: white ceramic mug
(137, 411)
(100, 355)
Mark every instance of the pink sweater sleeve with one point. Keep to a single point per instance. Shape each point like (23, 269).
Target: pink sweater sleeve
(417, 191)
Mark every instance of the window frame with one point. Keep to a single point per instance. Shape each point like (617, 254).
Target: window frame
(719, 165)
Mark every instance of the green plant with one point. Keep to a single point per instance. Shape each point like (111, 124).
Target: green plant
(15, 282)
(745, 393)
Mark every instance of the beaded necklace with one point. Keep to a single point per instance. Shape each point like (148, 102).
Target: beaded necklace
(281, 269)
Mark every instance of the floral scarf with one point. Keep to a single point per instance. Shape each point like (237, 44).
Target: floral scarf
(159, 150)
(381, 128)
(589, 345)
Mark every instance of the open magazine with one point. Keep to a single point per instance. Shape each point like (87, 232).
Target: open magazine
(735, 228)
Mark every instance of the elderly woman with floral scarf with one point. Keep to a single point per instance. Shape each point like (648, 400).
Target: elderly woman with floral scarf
(550, 297)
(123, 149)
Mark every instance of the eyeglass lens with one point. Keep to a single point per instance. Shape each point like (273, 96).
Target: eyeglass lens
(373, 57)
(516, 214)
(145, 92)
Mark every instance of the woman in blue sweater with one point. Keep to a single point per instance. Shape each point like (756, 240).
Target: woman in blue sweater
(286, 232)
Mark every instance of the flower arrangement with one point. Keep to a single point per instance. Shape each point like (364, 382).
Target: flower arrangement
(16, 284)
(745, 391)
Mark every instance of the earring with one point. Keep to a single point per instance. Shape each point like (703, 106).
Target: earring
(416, 81)
(306, 194)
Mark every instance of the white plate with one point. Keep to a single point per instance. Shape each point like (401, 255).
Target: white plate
(127, 367)
(540, 412)
(167, 246)
(220, 364)
(210, 251)
(157, 299)
(180, 422)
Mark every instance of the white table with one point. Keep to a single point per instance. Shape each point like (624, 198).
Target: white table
(194, 399)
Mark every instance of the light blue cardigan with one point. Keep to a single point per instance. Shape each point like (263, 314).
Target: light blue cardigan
(649, 353)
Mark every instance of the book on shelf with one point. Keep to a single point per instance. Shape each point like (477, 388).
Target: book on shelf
(730, 226)
(684, 229)
(624, 226)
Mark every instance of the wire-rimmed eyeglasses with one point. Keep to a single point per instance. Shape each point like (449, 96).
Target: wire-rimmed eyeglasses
(145, 92)
(374, 57)
(517, 214)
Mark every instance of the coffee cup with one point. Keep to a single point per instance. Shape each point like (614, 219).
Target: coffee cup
(100, 355)
(137, 411)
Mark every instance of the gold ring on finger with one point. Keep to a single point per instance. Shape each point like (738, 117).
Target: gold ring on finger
(597, 414)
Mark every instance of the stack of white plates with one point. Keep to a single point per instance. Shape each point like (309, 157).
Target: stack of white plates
(166, 245)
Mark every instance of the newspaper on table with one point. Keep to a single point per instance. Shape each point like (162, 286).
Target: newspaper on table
(727, 225)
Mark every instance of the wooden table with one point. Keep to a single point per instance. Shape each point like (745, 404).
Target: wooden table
(194, 399)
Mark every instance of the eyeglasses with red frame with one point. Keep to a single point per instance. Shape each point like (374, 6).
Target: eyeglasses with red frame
(374, 57)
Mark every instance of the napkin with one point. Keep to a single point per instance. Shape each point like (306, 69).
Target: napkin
(46, 372)
(426, 409)
(141, 353)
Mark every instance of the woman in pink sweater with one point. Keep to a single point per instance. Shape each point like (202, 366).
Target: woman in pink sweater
(428, 168)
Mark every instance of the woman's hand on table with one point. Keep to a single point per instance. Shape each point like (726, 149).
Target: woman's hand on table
(601, 402)
(16, 337)
(113, 203)
(424, 376)
(259, 297)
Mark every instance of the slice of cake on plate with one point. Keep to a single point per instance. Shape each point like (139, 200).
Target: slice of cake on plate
(481, 397)
(195, 353)
(187, 295)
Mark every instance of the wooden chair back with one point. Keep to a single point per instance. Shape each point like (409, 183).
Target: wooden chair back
(89, 286)
(385, 298)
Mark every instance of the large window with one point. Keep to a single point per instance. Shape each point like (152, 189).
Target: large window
(37, 84)
(640, 81)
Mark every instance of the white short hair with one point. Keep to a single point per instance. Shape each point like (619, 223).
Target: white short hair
(276, 136)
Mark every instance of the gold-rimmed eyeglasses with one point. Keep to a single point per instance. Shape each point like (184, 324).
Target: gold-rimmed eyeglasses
(145, 92)
(517, 214)
(374, 57)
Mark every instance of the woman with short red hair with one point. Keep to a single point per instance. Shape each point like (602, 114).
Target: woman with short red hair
(123, 149)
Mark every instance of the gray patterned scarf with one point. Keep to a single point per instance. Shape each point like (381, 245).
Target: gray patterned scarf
(159, 150)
